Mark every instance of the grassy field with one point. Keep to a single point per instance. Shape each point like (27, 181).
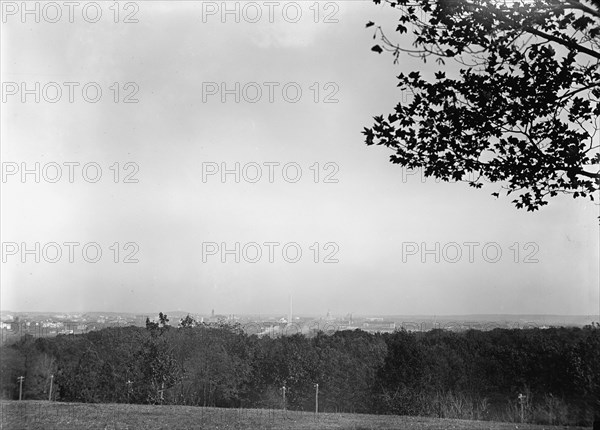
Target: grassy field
(85, 416)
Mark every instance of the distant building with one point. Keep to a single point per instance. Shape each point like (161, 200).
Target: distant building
(215, 318)
(52, 324)
(376, 325)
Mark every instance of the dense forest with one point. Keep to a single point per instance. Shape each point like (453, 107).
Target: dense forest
(471, 374)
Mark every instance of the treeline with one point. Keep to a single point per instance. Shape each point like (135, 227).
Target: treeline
(471, 375)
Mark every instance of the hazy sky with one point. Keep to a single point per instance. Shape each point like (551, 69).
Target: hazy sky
(369, 215)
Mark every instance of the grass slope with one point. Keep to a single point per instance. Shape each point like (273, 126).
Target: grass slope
(86, 416)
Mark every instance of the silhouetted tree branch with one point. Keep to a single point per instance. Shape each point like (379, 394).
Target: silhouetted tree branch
(523, 111)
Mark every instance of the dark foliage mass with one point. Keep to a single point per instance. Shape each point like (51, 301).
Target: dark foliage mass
(519, 106)
(471, 374)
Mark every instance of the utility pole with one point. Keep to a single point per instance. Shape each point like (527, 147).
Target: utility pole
(20, 378)
(316, 399)
(50, 393)
(522, 402)
(162, 393)
(283, 390)
(128, 389)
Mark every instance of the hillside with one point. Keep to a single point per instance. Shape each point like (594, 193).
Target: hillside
(85, 416)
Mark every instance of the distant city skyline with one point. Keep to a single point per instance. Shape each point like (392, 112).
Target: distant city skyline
(181, 313)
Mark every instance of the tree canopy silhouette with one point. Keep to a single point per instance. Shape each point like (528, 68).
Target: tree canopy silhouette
(521, 109)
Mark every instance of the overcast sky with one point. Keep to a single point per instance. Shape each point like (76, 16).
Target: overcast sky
(363, 212)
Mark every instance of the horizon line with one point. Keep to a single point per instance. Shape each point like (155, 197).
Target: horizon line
(432, 315)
